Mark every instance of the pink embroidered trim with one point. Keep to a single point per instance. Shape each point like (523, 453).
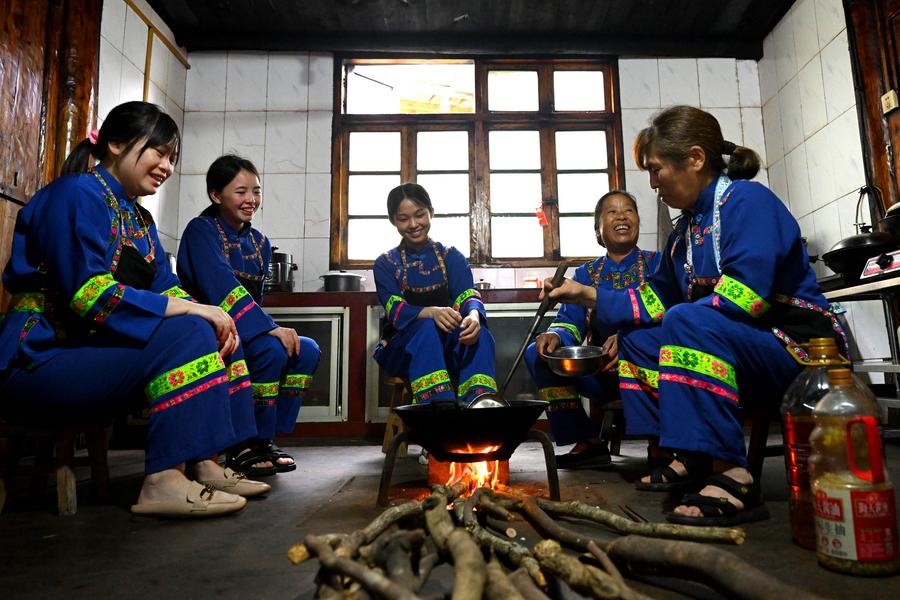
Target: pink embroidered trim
(635, 307)
(638, 387)
(244, 310)
(699, 383)
(264, 401)
(161, 406)
(242, 385)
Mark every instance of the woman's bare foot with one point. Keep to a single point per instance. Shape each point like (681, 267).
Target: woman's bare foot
(169, 485)
(739, 474)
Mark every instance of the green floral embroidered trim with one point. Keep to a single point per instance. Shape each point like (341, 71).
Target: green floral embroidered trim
(748, 300)
(301, 382)
(185, 375)
(629, 370)
(477, 379)
(569, 327)
(28, 302)
(427, 381)
(652, 303)
(556, 394)
(237, 369)
(390, 304)
(85, 298)
(700, 362)
(461, 299)
(176, 292)
(265, 390)
(232, 298)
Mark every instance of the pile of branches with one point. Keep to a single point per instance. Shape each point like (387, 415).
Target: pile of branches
(394, 555)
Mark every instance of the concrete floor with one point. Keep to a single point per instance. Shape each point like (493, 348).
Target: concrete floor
(103, 552)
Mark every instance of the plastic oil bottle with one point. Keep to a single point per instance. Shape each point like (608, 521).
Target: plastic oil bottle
(797, 420)
(856, 524)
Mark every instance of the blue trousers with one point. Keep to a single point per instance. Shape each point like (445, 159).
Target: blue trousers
(280, 382)
(198, 405)
(569, 423)
(426, 357)
(686, 379)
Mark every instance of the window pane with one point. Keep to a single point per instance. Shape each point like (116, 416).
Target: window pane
(367, 239)
(578, 90)
(375, 151)
(442, 151)
(577, 237)
(426, 87)
(515, 149)
(449, 193)
(579, 192)
(581, 150)
(451, 231)
(515, 192)
(512, 90)
(516, 237)
(367, 194)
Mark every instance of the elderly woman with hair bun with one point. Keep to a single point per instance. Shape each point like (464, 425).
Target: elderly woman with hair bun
(721, 322)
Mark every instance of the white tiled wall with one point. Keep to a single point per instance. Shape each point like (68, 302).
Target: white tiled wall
(727, 88)
(812, 141)
(274, 109)
(123, 51)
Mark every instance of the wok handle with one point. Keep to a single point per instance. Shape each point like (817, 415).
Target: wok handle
(545, 304)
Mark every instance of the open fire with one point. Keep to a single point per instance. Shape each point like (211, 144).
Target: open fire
(492, 474)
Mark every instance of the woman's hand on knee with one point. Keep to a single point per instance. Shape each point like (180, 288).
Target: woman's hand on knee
(611, 350)
(470, 328)
(222, 324)
(446, 318)
(288, 338)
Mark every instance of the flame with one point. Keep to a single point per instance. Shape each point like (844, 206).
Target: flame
(475, 474)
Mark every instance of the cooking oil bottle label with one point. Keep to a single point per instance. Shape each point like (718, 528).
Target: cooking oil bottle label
(856, 525)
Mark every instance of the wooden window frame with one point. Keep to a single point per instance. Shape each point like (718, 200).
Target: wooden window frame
(545, 120)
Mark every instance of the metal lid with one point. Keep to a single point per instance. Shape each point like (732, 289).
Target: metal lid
(342, 274)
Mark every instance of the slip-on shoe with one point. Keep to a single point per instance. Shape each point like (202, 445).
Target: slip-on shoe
(238, 483)
(199, 502)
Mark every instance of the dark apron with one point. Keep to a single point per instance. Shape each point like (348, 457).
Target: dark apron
(440, 296)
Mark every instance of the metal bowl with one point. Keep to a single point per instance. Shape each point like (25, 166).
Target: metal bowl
(576, 361)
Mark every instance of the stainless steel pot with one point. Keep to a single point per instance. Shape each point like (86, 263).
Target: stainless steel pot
(342, 281)
(281, 273)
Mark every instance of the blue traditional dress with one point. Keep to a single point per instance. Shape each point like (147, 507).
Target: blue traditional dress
(717, 324)
(416, 349)
(226, 267)
(86, 330)
(568, 421)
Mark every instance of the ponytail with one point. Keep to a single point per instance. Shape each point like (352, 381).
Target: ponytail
(80, 159)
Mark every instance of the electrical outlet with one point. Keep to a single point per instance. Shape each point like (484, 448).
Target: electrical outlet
(889, 101)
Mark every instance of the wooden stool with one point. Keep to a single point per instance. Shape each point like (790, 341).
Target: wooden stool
(394, 423)
(758, 448)
(58, 442)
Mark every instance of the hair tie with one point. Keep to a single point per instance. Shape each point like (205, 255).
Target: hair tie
(728, 148)
(93, 136)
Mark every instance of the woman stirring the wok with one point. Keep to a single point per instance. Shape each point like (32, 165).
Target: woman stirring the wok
(719, 321)
(436, 325)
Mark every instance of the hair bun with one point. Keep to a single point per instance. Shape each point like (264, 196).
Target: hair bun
(728, 148)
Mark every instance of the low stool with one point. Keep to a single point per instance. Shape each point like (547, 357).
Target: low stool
(612, 426)
(394, 424)
(55, 449)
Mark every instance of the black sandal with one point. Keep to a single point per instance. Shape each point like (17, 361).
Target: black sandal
(666, 479)
(244, 461)
(719, 512)
(276, 454)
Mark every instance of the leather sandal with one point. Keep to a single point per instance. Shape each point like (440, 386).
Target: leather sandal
(199, 502)
(666, 479)
(244, 461)
(276, 454)
(720, 512)
(239, 484)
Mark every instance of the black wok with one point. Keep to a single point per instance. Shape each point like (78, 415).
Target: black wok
(849, 256)
(451, 433)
